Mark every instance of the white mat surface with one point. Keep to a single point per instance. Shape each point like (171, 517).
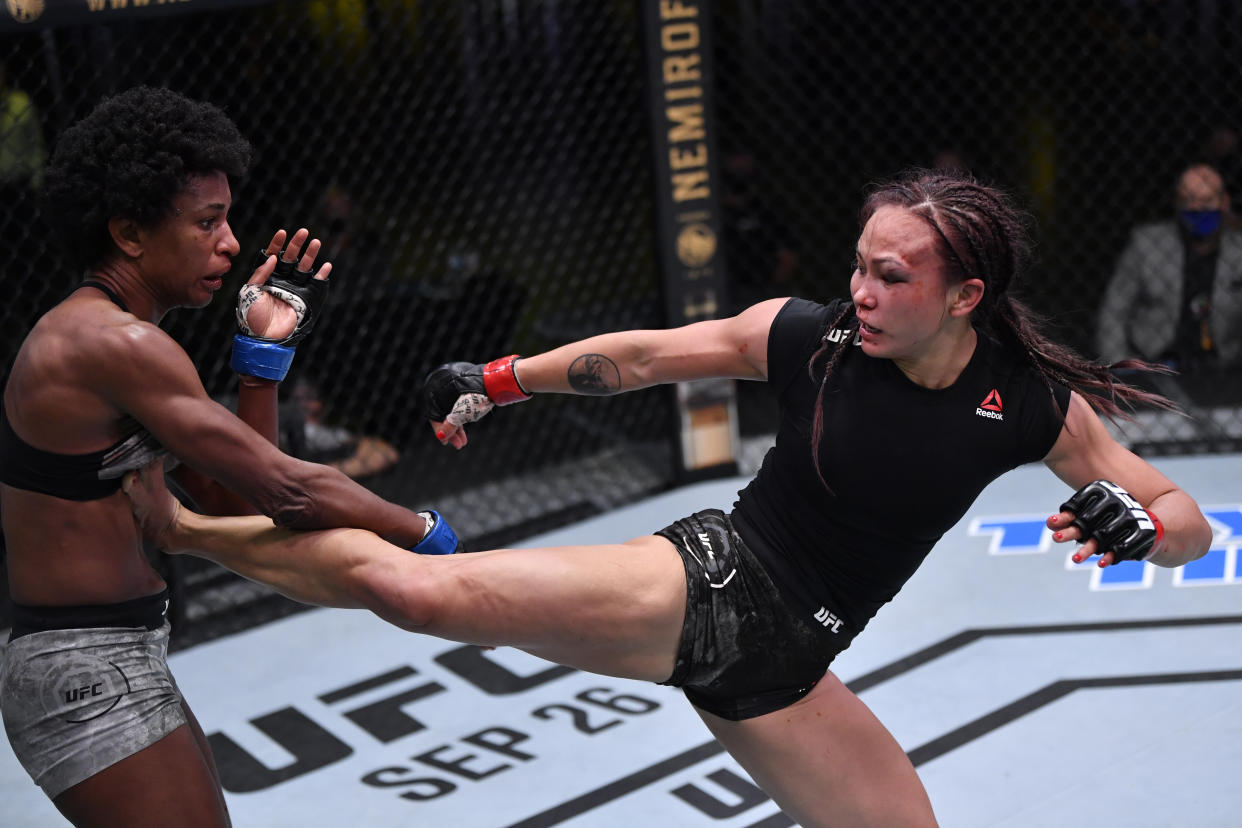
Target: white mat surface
(1035, 698)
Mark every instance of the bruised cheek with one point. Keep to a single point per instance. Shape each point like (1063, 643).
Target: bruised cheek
(920, 299)
(907, 300)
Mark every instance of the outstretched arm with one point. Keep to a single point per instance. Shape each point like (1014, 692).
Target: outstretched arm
(1086, 452)
(141, 371)
(615, 362)
(603, 365)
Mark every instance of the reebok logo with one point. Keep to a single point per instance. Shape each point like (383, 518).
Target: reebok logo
(991, 406)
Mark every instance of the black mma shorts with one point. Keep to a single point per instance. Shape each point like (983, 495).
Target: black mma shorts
(746, 649)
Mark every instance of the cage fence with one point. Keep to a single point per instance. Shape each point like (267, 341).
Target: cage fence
(481, 175)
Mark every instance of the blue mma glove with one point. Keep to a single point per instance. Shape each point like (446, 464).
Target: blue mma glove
(1108, 513)
(440, 539)
(258, 358)
(269, 359)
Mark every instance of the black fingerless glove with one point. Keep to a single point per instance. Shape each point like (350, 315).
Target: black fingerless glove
(307, 295)
(496, 382)
(1108, 513)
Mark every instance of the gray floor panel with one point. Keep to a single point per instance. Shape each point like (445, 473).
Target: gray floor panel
(1030, 692)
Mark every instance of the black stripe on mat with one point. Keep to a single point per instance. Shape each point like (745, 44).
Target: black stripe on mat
(627, 784)
(1047, 695)
(937, 747)
(956, 642)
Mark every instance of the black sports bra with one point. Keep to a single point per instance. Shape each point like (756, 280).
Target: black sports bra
(75, 476)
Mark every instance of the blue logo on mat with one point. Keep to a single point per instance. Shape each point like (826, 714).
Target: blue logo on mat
(1027, 535)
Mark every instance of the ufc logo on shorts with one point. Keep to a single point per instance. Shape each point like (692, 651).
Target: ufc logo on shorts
(706, 542)
(1136, 510)
(828, 619)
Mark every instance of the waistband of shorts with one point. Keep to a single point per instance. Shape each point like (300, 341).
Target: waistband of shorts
(147, 611)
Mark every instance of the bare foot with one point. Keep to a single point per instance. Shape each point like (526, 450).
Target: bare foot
(154, 506)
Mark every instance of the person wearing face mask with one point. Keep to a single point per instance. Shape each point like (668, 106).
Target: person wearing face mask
(1175, 296)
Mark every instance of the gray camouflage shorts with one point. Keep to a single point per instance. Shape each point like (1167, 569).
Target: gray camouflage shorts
(77, 701)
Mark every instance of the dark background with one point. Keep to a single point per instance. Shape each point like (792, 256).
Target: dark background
(496, 161)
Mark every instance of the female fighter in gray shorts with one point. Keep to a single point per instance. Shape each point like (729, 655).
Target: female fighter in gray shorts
(140, 191)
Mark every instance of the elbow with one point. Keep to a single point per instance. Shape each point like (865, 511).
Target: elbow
(1190, 543)
(292, 502)
(1202, 539)
(643, 373)
(295, 511)
(1196, 536)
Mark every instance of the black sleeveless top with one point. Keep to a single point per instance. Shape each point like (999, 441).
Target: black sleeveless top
(904, 463)
(75, 476)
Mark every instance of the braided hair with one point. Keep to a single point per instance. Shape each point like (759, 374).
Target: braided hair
(981, 233)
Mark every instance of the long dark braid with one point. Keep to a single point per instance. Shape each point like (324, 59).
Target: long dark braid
(829, 352)
(982, 234)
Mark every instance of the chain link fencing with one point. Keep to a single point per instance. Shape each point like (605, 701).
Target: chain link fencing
(481, 174)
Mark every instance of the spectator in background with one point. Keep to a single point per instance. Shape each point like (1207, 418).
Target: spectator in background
(357, 456)
(349, 238)
(1223, 151)
(22, 158)
(353, 244)
(1176, 294)
(22, 152)
(759, 253)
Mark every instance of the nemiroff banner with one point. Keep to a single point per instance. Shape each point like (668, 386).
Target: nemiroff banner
(679, 80)
(20, 15)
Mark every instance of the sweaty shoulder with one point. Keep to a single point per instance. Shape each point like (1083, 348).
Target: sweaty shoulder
(89, 344)
(73, 361)
(797, 332)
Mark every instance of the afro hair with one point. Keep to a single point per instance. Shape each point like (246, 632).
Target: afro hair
(130, 157)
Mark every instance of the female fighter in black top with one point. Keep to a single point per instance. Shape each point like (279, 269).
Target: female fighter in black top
(897, 408)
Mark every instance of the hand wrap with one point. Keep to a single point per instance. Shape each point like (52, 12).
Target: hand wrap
(1108, 513)
(462, 392)
(299, 288)
(440, 539)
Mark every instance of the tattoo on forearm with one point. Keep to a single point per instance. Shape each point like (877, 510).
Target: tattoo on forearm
(594, 374)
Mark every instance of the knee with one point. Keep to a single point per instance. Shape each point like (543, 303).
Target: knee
(406, 590)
